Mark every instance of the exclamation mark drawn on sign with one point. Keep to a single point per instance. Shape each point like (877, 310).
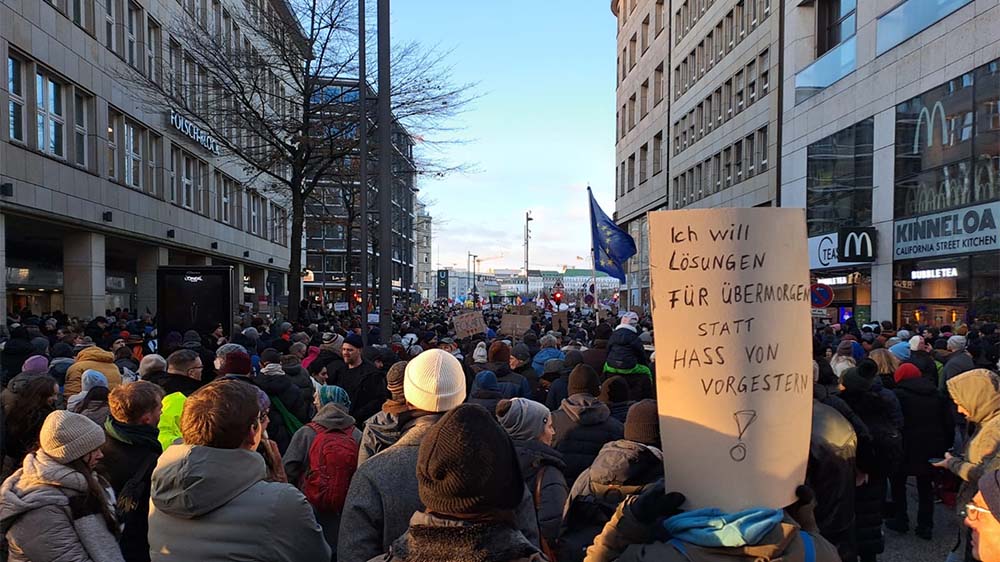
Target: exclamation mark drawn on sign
(743, 420)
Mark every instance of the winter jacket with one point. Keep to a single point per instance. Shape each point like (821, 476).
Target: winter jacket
(621, 468)
(97, 411)
(928, 429)
(597, 356)
(213, 504)
(529, 374)
(543, 355)
(486, 398)
(625, 350)
(383, 496)
(542, 468)
(15, 352)
(365, 384)
(130, 454)
(40, 523)
(891, 402)
(626, 540)
(583, 425)
(831, 474)
(558, 391)
(92, 358)
(978, 391)
(296, 461)
(957, 364)
(301, 379)
(381, 432)
(511, 384)
(329, 358)
(278, 386)
(619, 410)
(431, 537)
(172, 382)
(924, 362)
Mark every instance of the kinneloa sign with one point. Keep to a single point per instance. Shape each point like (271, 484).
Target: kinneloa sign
(972, 229)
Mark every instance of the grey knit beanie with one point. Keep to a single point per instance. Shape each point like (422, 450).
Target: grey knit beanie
(66, 436)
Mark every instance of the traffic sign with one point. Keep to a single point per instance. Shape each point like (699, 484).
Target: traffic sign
(821, 295)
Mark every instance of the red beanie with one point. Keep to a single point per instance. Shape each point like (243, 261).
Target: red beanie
(906, 371)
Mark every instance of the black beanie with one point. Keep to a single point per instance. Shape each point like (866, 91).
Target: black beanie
(602, 332)
(868, 368)
(583, 380)
(642, 424)
(614, 390)
(466, 464)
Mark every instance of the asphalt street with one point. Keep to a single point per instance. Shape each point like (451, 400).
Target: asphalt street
(910, 548)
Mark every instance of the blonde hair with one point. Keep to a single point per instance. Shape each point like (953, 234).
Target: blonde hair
(887, 362)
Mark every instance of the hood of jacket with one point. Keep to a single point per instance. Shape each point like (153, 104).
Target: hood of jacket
(384, 428)
(585, 409)
(533, 455)
(978, 391)
(625, 466)
(333, 416)
(191, 480)
(95, 354)
(273, 370)
(40, 482)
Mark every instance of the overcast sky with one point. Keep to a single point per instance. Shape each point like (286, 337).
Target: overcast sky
(542, 130)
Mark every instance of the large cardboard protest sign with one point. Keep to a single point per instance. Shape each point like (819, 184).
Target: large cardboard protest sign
(469, 324)
(730, 298)
(515, 324)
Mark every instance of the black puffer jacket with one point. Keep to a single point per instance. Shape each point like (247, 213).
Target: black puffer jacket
(621, 468)
(582, 425)
(280, 387)
(927, 428)
(625, 351)
(874, 412)
(830, 473)
(542, 469)
(926, 364)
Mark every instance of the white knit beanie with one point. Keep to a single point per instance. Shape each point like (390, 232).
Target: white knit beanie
(434, 381)
(66, 436)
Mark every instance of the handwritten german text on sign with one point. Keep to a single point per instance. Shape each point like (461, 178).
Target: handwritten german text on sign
(469, 324)
(730, 297)
(515, 324)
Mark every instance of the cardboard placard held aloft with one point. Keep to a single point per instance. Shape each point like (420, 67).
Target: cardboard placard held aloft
(730, 301)
(515, 325)
(560, 322)
(469, 324)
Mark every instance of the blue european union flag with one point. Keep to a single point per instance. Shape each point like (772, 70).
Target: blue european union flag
(612, 245)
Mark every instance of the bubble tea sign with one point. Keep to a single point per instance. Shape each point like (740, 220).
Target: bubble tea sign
(730, 297)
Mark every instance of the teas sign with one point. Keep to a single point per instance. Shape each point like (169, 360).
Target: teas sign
(734, 394)
(972, 229)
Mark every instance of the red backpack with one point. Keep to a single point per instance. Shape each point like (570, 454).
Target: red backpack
(333, 458)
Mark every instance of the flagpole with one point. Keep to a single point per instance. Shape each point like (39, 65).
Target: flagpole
(593, 254)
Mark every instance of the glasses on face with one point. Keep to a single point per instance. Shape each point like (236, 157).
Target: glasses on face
(972, 512)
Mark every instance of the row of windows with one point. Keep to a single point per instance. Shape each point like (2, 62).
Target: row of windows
(742, 160)
(642, 169)
(749, 84)
(729, 32)
(687, 15)
(639, 104)
(133, 156)
(638, 44)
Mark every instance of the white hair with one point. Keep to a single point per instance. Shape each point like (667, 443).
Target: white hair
(152, 363)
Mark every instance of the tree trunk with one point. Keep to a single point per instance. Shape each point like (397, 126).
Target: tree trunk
(295, 259)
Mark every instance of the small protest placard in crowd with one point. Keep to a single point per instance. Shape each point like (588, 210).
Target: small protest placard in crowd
(730, 301)
(515, 324)
(340, 306)
(469, 324)
(560, 322)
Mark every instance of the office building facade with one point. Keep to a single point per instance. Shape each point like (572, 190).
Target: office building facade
(894, 131)
(99, 188)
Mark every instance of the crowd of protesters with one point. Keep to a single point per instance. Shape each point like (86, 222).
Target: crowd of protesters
(281, 441)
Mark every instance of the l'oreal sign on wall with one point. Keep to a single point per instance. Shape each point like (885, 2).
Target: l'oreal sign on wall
(193, 131)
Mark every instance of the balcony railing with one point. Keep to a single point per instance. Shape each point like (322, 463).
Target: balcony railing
(835, 64)
(910, 18)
